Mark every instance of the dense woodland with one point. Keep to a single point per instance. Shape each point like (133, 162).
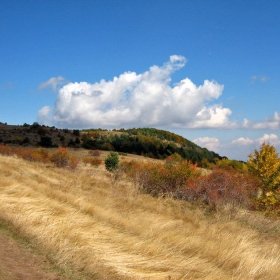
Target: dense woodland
(148, 142)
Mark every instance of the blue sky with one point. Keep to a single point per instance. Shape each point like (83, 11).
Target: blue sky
(207, 70)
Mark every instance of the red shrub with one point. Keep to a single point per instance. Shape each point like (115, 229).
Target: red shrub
(5, 150)
(223, 186)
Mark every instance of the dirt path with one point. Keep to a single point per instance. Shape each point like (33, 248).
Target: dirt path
(20, 262)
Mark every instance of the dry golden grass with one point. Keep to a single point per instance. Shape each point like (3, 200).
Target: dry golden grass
(88, 221)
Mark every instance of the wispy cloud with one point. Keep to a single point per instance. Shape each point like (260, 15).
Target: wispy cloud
(53, 82)
(272, 123)
(260, 78)
(7, 86)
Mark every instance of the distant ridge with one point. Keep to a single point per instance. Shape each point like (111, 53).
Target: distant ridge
(150, 142)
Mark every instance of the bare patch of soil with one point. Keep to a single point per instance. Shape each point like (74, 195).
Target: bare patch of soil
(18, 261)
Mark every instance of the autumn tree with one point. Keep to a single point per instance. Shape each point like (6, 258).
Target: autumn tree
(265, 164)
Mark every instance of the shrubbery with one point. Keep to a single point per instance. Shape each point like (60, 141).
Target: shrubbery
(112, 161)
(221, 187)
(95, 153)
(93, 161)
(60, 157)
(158, 178)
(181, 179)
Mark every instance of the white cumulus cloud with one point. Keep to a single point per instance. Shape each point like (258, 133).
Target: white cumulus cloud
(272, 139)
(242, 147)
(243, 141)
(146, 99)
(44, 115)
(211, 143)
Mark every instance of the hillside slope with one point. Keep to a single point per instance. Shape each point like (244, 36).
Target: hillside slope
(149, 142)
(109, 230)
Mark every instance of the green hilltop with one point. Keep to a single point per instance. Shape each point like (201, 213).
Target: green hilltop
(149, 142)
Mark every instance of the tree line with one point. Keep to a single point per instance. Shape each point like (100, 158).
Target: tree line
(148, 142)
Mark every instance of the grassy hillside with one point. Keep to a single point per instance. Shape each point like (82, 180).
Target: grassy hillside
(149, 142)
(105, 228)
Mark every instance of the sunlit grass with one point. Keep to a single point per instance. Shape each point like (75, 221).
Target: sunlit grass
(85, 219)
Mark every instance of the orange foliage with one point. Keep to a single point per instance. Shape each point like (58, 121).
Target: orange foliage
(161, 179)
(60, 157)
(5, 150)
(95, 153)
(40, 155)
(181, 179)
(223, 186)
(93, 161)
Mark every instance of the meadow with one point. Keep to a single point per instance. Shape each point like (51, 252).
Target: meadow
(103, 226)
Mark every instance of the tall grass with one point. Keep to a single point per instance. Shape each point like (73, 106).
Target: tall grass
(110, 230)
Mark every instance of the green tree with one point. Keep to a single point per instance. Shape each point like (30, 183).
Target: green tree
(46, 141)
(112, 161)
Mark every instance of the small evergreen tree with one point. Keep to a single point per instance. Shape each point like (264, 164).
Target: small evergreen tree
(112, 161)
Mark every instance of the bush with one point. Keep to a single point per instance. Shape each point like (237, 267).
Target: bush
(95, 153)
(158, 179)
(92, 161)
(222, 187)
(40, 154)
(61, 157)
(112, 161)
(183, 180)
(5, 150)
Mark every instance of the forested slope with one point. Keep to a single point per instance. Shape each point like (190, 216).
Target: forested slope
(149, 142)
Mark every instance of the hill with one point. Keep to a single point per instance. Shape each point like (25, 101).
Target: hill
(150, 142)
(88, 223)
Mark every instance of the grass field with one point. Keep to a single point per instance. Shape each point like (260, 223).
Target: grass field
(106, 229)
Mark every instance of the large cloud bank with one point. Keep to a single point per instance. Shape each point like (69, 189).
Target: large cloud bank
(146, 99)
